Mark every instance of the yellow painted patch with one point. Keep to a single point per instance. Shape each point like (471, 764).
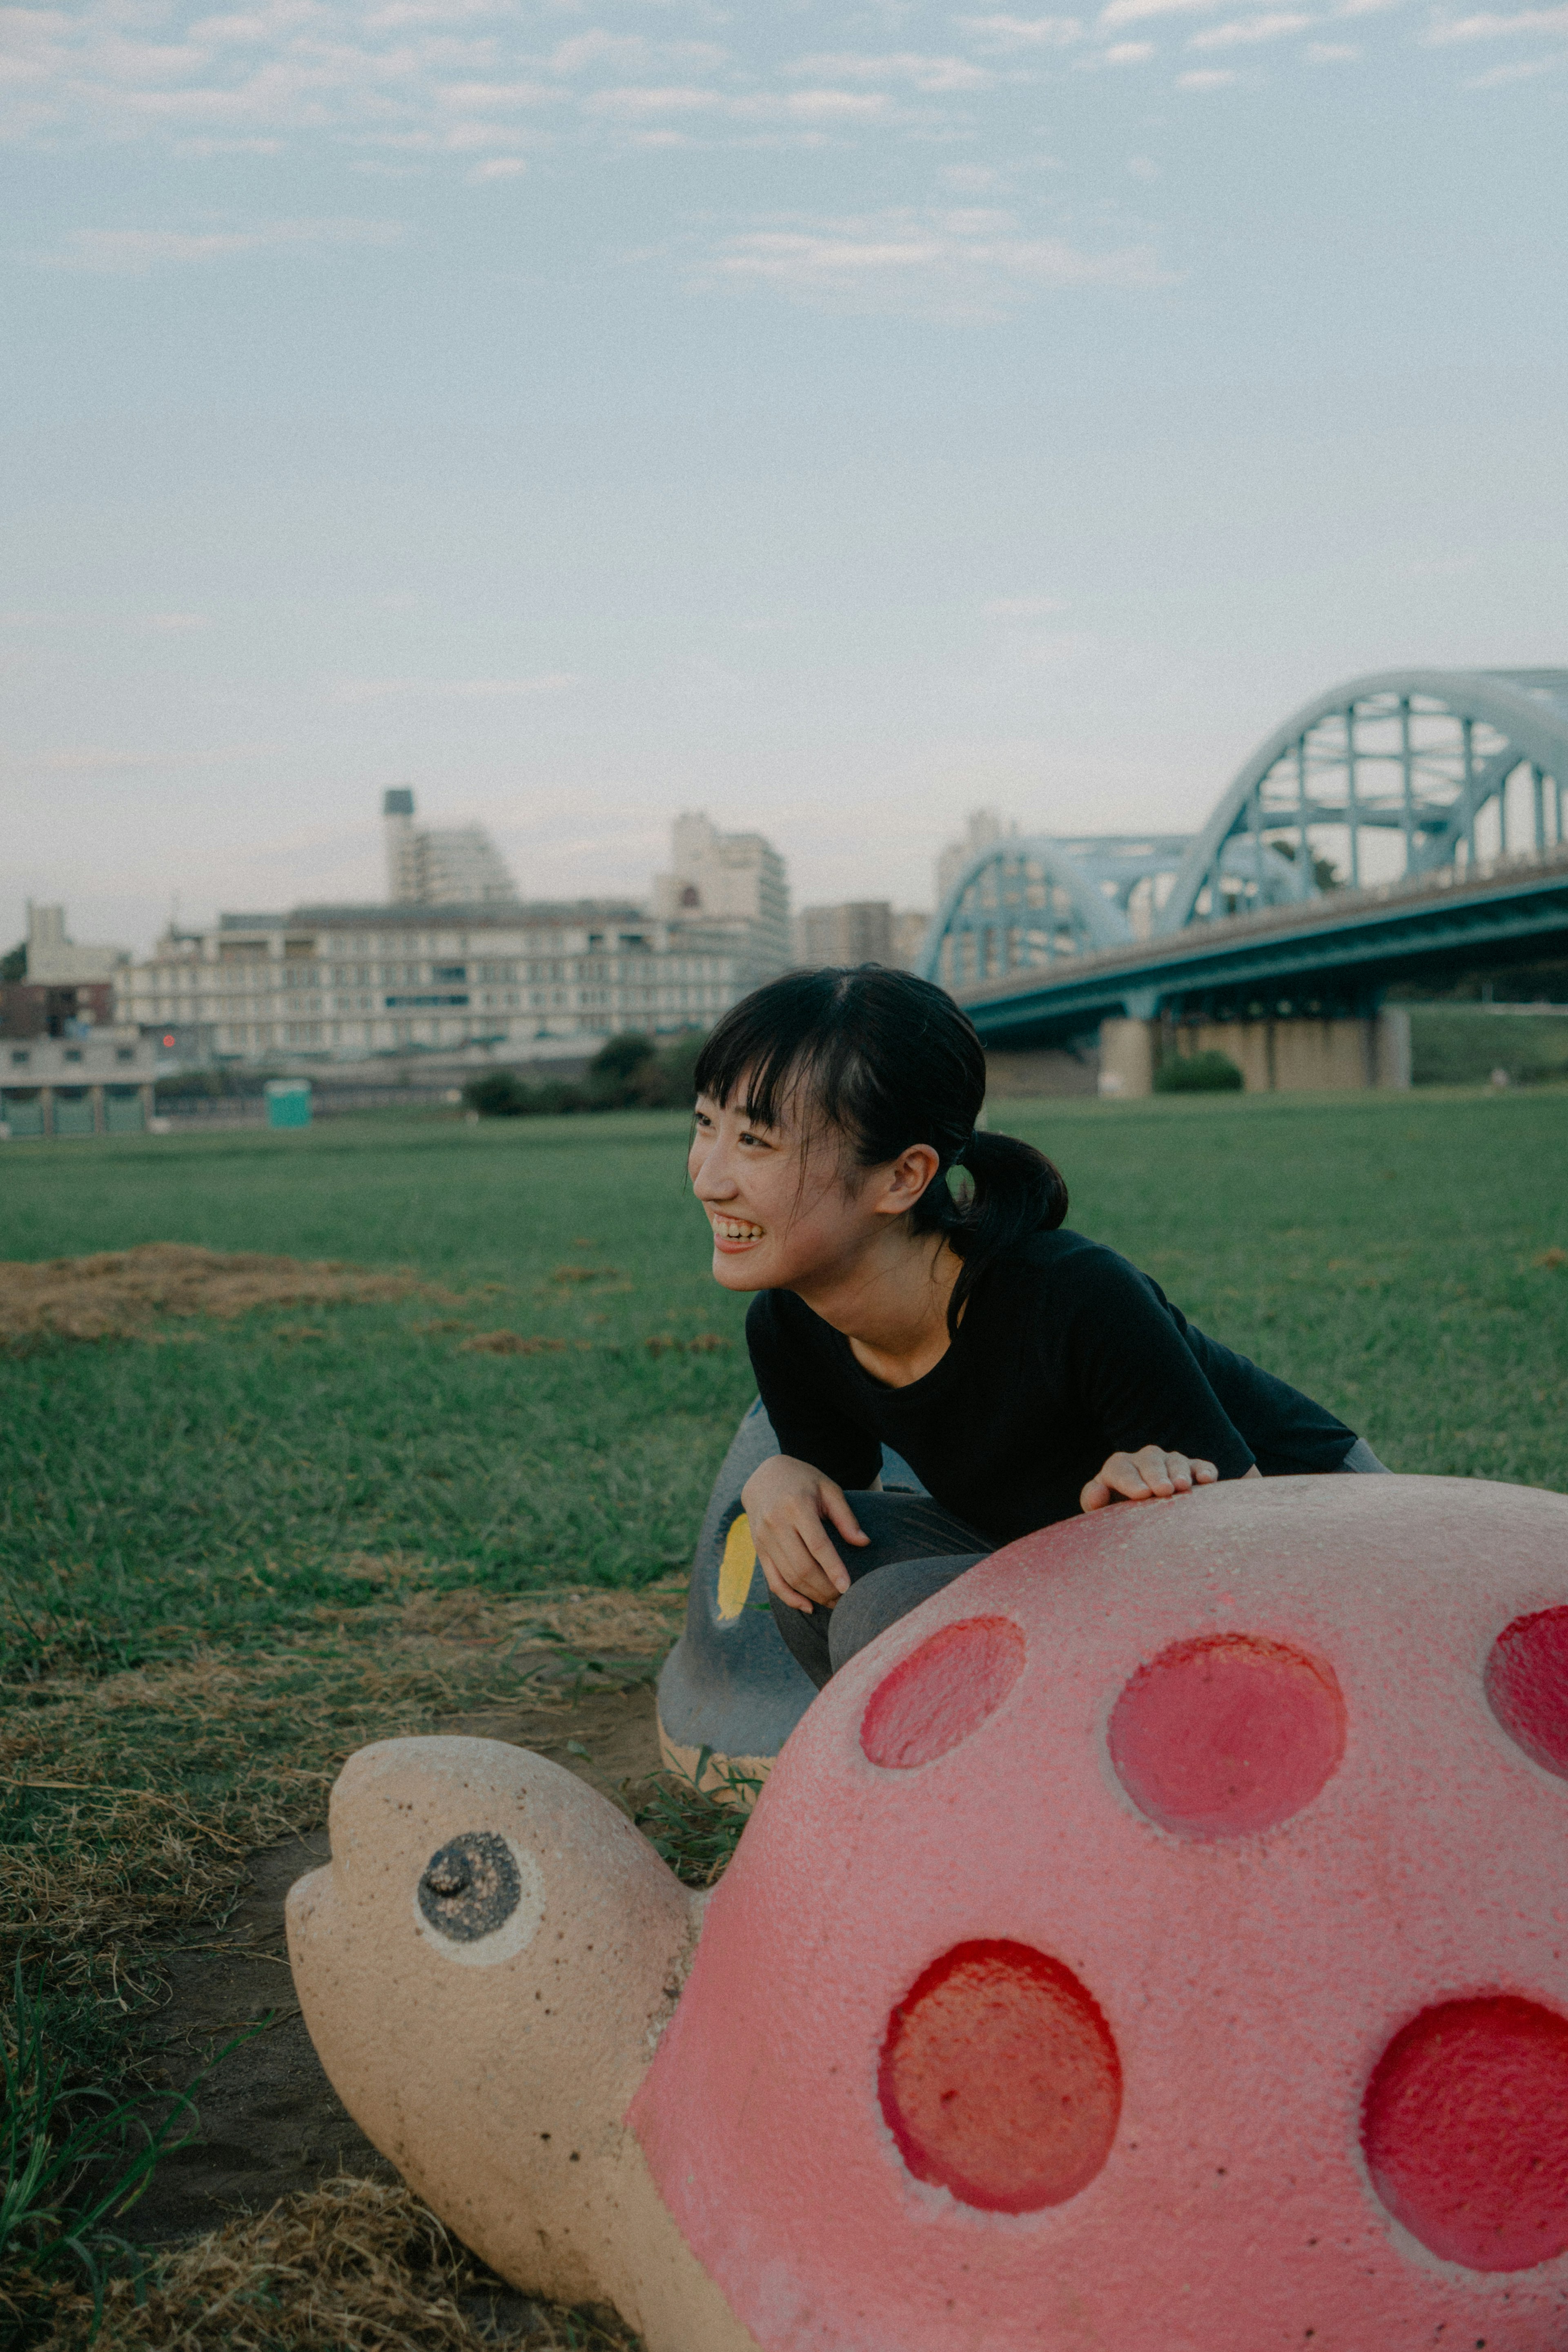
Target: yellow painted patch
(737, 1568)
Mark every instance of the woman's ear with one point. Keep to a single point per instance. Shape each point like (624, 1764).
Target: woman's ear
(906, 1178)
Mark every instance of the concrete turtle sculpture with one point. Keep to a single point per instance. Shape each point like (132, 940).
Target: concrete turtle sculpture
(730, 1692)
(1157, 1941)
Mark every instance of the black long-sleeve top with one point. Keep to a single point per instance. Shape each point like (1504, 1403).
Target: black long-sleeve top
(1065, 1354)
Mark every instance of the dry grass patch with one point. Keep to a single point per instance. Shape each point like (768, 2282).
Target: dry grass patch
(143, 1791)
(122, 1294)
(354, 2265)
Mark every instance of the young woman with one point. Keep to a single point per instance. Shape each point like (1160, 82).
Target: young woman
(1023, 1372)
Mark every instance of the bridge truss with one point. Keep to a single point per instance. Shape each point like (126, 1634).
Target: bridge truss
(1388, 779)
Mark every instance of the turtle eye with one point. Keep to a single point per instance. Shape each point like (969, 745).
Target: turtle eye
(472, 1886)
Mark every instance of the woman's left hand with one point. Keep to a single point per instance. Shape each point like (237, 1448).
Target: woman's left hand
(1149, 1475)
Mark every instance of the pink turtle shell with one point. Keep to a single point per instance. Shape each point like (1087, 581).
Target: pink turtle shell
(1167, 1957)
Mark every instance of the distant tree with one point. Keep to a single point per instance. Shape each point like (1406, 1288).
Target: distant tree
(1198, 1073)
(614, 1071)
(502, 1094)
(667, 1079)
(14, 967)
(499, 1094)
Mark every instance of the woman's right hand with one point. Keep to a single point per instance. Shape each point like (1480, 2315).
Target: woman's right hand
(786, 1503)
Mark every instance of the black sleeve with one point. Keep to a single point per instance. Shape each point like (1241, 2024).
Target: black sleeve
(797, 1397)
(1287, 1431)
(1125, 1358)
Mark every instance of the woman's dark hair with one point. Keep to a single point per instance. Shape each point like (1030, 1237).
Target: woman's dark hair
(889, 1060)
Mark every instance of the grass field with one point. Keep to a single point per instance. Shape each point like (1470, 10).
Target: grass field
(1391, 1255)
(225, 1541)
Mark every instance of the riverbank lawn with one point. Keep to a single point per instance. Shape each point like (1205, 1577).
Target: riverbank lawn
(543, 1398)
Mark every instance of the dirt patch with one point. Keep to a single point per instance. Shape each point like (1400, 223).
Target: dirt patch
(270, 2123)
(122, 1294)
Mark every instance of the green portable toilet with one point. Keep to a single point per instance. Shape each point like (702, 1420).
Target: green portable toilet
(288, 1102)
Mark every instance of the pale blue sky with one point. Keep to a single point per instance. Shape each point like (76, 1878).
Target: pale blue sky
(835, 418)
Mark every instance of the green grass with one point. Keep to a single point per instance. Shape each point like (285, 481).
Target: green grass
(1462, 1045)
(1380, 1251)
(223, 1485)
(242, 1508)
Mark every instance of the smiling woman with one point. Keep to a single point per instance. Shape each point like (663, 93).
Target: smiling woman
(1024, 1372)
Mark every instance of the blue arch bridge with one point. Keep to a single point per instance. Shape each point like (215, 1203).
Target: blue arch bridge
(1399, 827)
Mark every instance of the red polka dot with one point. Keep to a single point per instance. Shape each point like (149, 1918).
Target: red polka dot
(942, 1692)
(1225, 1736)
(1527, 1683)
(1465, 2132)
(1000, 2078)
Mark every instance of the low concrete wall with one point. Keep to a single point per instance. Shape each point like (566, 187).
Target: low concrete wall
(1295, 1056)
(1053, 1070)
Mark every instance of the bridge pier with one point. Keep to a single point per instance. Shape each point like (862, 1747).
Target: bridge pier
(1344, 1053)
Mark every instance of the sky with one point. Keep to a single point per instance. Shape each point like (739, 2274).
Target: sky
(832, 417)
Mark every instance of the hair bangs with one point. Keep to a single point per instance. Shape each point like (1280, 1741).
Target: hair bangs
(775, 1042)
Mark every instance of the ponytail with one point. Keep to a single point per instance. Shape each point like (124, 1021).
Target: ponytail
(1015, 1191)
(890, 1060)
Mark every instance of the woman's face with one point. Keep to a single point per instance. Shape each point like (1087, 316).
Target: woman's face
(783, 1217)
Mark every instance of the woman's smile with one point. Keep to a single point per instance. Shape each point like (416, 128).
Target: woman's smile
(731, 1234)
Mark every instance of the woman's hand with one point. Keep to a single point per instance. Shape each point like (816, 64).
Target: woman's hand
(786, 1503)
(1143, 1478)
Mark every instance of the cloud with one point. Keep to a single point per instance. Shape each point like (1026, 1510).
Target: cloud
(1142, 167)
(934, 76)
(132, 252)
(1125, 53)
(496, 97)
(633, 102)
(1023, 32)
(451, 689)
(627, 53)
(1495, 77)
(1138, 12)
(1211, 78)
(1245, 31)
(499, 167)
(966, 263)
(1331, 53)
(1490, 27)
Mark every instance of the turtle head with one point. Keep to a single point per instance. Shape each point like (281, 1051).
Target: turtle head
(485, 1967)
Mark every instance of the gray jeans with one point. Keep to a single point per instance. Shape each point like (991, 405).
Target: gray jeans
(916, 1548)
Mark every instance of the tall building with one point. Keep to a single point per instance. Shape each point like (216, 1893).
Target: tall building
(860, 931)
(863, 930)
(450, 866)
(982, 828)
(56, 961)
(910, 925)
(735, 880)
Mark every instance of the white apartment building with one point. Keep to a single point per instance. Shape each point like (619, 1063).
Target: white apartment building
(341, 982)
(737, 880)
(441, 865)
